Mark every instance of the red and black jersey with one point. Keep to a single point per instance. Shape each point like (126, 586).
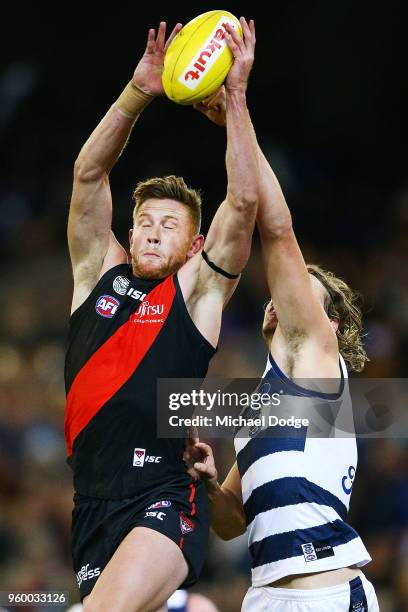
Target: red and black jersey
(128, 333)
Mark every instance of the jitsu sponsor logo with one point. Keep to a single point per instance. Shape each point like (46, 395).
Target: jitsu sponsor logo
(86, 574)
(106, 306)
(140, 457)
(186, 524)
(206, 56)
(146, 312)
(121, 284)
(158, 515)
(160, 504)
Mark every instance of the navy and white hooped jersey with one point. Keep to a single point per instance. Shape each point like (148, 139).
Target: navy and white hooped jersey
(296, 487)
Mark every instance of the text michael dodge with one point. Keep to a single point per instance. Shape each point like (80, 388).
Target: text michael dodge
(238, 421)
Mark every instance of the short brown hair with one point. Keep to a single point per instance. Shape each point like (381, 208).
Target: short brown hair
(343, 304)
(173, 188)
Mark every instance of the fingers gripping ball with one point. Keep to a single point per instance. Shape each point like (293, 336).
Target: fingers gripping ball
(198, 60)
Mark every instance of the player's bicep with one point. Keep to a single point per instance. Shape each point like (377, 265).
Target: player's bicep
(89, 223)
(228, 242)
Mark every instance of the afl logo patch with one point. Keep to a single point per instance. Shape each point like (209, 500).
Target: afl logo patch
(106, 306)
(160, 504)
(121, 284)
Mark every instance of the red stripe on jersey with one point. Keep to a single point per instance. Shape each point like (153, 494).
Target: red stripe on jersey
(191, 498)
(107, 370)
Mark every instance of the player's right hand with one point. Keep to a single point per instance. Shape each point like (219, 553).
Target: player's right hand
(148, 73)
(206, 466)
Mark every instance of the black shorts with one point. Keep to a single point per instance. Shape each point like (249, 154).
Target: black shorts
(99, 526)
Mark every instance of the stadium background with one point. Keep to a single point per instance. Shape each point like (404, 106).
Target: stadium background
(327, 97)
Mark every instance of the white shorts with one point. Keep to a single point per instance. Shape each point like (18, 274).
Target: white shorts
(358, 595)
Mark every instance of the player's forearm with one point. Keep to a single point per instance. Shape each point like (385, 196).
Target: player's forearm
(273, 216)
(107, 141)
(227, 513)
(242, 158)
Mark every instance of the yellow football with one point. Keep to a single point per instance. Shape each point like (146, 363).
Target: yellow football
(198, 59)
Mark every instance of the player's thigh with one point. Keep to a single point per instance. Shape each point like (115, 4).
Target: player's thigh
(145, 570)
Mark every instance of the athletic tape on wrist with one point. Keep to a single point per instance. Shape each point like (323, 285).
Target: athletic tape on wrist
(132, 101)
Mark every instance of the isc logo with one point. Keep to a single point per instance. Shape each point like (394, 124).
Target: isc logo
(158, 515)
(106, 306)
(136, 295)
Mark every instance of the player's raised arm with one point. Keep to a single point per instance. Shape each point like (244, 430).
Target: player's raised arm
(227, 246)
(299, 306)
(228, 241)
(300, 311)
(92, 246)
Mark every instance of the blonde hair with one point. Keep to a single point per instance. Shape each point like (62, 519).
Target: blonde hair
(173, 188)
(343, 304)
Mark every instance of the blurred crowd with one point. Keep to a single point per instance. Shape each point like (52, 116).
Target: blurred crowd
(332, 129)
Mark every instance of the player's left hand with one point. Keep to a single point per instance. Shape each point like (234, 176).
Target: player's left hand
(214, 107)
(148, 72)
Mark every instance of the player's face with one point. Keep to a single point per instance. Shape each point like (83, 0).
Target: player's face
(270, 321)
(161, 239)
